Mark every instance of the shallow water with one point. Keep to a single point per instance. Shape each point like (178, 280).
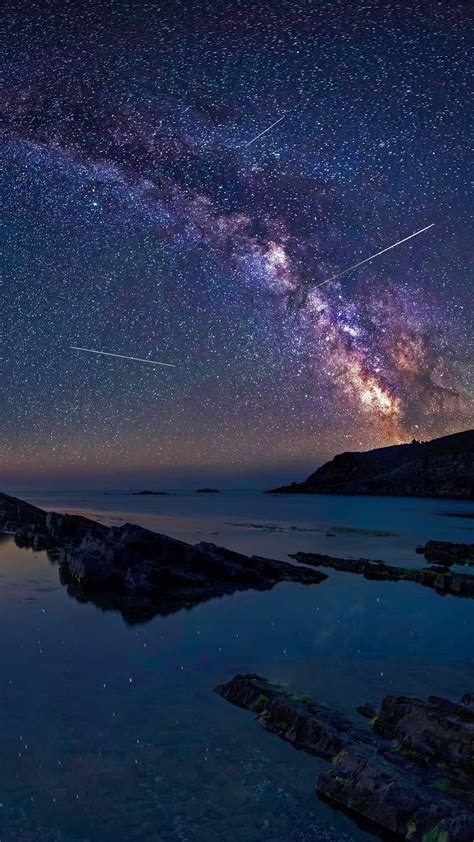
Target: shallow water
(111, 732)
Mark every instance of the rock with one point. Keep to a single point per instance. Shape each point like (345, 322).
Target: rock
(137, 571)
(442, 467)
(15, 513)
(468, 700)
(367, 710)
(306, 724)
(207, 491)
(377, 787)
(447, 552)
(442, 580)
(438, 730)
(412, 775)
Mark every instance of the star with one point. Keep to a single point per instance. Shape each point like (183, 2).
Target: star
(143, 214)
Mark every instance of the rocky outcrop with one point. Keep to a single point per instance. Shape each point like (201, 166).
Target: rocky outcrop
(411, 775)
(442, 467)
(306, 724)
(135, 570)
(16, 513)
(440, 578)
(207, 491)
(447, 553)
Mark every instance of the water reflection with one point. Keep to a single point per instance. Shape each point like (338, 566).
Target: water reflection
(136, 610)
(143, 604)
(112, 733)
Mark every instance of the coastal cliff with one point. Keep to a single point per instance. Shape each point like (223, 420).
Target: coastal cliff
(443, 467)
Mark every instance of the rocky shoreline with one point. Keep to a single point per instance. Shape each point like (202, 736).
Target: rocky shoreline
(438, 577)
(141, 573)
(136, 571)
(410, 774)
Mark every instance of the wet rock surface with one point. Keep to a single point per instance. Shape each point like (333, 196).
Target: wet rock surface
(307, 724)
(410, 775)
(437, 577)
(136, 571)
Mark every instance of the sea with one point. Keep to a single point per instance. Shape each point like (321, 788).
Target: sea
(111, 731)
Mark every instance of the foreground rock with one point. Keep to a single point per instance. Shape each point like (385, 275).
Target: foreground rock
(443, 467)
(136, 571)
(442, 580)
(411, 775)
(447, 553)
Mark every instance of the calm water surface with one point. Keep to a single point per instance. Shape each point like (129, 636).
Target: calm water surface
(112, 732)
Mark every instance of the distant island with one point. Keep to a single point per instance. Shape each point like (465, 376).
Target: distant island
(153, 493)
(443, 467)
(207, 491)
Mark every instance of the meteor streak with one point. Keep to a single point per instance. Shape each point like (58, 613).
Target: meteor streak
(344, 271)
(265, 131)
(121, 356)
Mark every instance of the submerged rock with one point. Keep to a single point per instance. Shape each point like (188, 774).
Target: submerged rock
(412, 775)
(135, 570)
(442, 580)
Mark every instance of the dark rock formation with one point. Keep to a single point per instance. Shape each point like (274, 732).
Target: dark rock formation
(387, 790)
(207, 491)
(367, 710)
(15, 513)
(443, 467)
(439, 730)
(137, 571)
(412, 775)
(442, 580)
(306, 724)
(447, 552)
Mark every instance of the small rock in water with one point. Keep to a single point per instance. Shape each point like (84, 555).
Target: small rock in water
(367, 710)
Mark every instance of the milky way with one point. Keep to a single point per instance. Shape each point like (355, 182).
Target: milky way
(141, 221)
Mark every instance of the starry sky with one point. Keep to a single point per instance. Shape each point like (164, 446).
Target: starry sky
(140, 220)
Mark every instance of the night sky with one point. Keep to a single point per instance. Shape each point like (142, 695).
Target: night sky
(139, 220)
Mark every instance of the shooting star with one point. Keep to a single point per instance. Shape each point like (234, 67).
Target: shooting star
(344, 271)
(265, 130)
(121, 356)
